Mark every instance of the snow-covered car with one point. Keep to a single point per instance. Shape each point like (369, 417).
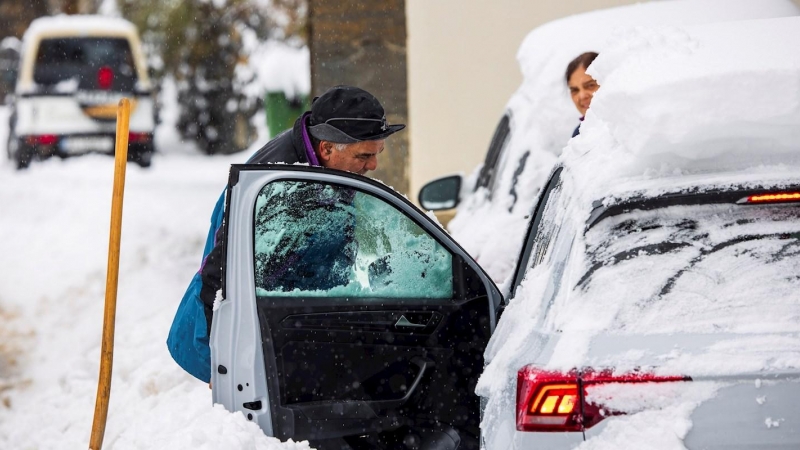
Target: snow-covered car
(540, 117)
(656, 303)
(73, 72)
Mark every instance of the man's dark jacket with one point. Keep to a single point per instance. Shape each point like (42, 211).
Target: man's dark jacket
(188, 339)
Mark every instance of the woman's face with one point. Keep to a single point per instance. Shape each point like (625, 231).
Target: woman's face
(582, 87)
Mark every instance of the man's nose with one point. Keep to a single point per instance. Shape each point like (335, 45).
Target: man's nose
(372, 163)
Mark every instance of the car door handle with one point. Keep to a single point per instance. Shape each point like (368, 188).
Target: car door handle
(424, 365)
(402, 322)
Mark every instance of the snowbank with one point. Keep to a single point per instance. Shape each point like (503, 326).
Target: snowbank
(55, 218)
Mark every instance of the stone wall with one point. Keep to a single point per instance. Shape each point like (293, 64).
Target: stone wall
(364, 44)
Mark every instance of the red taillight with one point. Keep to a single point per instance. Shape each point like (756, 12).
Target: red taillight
(105, 77)
(554, 401)
(139, 138)
(42, 139)
(772, 197)
(548, 401)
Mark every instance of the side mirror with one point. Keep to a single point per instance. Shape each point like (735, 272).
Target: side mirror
(441, 194)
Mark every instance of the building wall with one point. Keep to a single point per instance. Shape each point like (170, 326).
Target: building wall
(462, 70)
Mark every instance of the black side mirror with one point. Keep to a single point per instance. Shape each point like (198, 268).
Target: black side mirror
(441, 194)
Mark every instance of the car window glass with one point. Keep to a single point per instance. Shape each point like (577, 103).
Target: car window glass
(496, 147)
(80, 58)
(537, 238)
(733, 266)
(314, 239)
(515, 179)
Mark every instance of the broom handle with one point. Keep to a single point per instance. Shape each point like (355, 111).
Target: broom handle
(112, 277)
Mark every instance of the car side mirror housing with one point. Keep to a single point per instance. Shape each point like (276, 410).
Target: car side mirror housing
(440, 194)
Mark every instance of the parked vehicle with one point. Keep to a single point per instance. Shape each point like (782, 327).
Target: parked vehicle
(656, 291)
(654, 301)
(73, 72)
(540, 117)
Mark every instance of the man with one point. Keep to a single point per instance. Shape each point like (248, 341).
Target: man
(345, 130)
(581, 85)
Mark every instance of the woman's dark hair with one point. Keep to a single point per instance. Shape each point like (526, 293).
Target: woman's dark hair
(581, 61)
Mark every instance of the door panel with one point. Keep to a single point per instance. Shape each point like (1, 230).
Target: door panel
(372, 321)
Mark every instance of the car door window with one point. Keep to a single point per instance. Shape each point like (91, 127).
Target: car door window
(540, 231)
(326, 240)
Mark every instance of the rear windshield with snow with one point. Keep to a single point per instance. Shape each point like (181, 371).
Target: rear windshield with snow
(86, 63)
(314, 239)
(703, 268)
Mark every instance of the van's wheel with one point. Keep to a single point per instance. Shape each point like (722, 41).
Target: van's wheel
(145, 159)
(20, 153)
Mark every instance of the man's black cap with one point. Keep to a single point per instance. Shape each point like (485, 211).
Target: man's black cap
(347, 114)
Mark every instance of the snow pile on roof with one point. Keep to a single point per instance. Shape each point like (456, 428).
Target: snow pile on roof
(79, 24)
(546, 51)
(723, 96)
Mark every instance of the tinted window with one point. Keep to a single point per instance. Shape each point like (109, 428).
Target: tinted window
(499, 141)
(316, 239)
(540, 230)
(81, 59)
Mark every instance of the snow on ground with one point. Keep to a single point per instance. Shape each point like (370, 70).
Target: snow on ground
(55, 220)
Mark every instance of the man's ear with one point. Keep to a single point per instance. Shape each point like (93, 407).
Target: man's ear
(325, 150)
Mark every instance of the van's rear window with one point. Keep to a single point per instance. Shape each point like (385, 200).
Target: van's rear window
(80, 58)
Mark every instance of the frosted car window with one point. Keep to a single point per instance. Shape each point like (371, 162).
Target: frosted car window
(697, 268)
(313, 239)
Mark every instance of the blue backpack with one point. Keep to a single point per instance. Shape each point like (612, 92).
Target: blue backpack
(188, 339)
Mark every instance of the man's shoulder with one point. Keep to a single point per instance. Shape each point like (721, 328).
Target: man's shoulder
(280, 149)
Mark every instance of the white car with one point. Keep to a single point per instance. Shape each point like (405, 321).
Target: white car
(73, 72)
(656, 303)
(540, 117)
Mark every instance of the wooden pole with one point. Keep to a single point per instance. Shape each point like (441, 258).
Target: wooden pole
(112, 277)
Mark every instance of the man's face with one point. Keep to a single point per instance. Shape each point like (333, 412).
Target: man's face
(359, 158)
(582, 87)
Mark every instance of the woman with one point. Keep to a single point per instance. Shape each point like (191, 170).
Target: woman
(581, 85)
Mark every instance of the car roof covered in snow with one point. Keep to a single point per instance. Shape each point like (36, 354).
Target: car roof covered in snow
(547, 50)
(714, 105)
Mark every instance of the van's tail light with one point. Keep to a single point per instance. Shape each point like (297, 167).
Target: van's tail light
(139, 138)
(556, 401)
(42, 139)
(105, 77)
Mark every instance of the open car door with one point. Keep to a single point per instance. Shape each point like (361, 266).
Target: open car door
(349, 318)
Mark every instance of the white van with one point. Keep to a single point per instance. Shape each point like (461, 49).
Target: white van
(73, 72)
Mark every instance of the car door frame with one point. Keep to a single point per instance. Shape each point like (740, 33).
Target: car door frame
(236, 338)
